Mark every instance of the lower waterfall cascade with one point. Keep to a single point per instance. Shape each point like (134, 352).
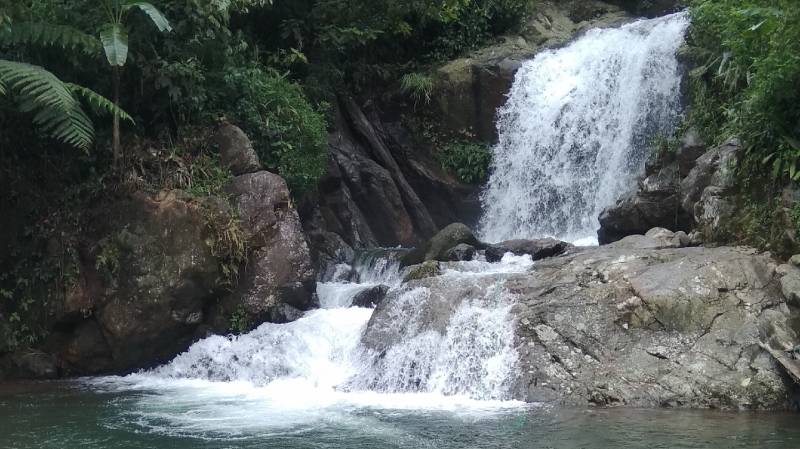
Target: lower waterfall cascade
(558, 161)
(574, 134)
(286, 371)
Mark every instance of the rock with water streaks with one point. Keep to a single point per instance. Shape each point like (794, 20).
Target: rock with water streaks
(626, 325)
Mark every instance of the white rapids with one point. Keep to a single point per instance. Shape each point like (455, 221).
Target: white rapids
(574, 134)
(289, 375)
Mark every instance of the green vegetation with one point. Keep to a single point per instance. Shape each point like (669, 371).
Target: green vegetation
(238, 321)
(747, 68)
(418, 86)
(469, 160)
(745, 59)
(288, 133)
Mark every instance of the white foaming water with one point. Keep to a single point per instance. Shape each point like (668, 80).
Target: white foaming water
(574, 133)
(289, 376)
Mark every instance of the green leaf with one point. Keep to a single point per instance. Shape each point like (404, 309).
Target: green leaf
(55, 111)
(99, 103)
(115, 44)
(155, 15)
(48, 35)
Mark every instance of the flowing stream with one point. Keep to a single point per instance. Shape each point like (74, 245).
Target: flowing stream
(572, 139)
(574, 133)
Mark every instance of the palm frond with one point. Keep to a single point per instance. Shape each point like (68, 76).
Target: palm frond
(98, 103)
(115, 44)
(155, 15)
(48, 35)
(55, 110)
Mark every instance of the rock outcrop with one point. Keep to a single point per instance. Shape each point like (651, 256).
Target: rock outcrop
(236, 150)
(630, 325)
(155, 275)
(689, 189)
(468, 91)
(279, 269)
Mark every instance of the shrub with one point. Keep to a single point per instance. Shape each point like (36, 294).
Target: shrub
(288, 133)
(418, 86)
(747, 57)
(469, 160)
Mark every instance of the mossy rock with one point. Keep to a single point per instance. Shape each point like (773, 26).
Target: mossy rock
(421, 271)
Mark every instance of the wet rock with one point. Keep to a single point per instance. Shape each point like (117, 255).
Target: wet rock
(460, 252)
(617, 326)
(371, 296)
(537, 249)
(284, 313)
(651, 8)
(28, 364)
(438, 246)
(236, 150)
(424, 270)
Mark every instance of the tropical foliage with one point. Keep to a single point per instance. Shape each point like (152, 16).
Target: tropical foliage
(747, 58)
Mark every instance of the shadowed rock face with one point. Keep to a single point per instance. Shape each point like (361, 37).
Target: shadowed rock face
(152, 284)
(631, 325)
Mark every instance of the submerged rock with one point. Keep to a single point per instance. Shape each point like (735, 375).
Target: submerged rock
(537, 249)
(421, 271)
(370, 297)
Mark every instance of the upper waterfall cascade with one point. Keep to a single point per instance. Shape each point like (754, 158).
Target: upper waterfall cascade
(574, 134)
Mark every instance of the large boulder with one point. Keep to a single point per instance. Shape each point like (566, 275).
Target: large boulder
(160, 277)
(676, 327)
(657, 200)
(438, 247)
(279, 269)
(236, 150)
(460, 252)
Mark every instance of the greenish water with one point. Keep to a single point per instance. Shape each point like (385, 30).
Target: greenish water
(68, 415)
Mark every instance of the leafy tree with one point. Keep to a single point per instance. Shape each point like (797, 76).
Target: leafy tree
(55, 105)
(114, 36)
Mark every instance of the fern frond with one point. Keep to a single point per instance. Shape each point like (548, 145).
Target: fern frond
(49, 35)
(72, 127)
(55, 110)
(35, 86)
(98, 103)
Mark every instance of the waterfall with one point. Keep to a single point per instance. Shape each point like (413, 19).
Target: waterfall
(572, 138)
(574, 134)
(321, 361)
